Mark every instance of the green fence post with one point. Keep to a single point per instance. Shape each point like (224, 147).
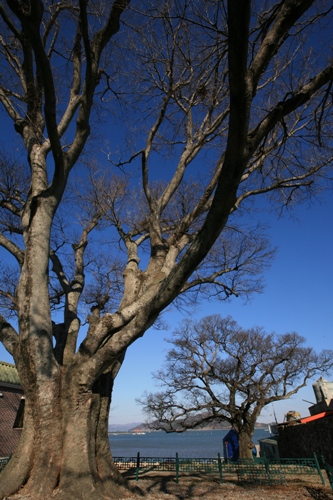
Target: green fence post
(137, 466)
(267, 468)
(319, 469)
(327, 470)
(219, 462)
(177, 468)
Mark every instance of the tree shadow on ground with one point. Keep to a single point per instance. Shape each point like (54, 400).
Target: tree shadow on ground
(182, 490)
(319, 494)
(186, 488)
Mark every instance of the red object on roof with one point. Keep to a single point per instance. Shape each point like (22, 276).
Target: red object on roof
(323, 414)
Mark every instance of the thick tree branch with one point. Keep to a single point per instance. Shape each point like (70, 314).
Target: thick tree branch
(17, 252)
(8, 336)
(287, 106)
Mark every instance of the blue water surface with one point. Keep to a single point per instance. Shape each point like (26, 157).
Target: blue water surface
(189, 444)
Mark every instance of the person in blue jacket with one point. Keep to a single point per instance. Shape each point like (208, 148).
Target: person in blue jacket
(231, 446)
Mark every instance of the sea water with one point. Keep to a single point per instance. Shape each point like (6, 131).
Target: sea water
(189, 444)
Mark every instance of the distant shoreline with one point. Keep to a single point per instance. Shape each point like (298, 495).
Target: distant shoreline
(148, 431)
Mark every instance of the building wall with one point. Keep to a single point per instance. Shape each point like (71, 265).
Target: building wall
(303, 440)
(269, 448)
(9, 404)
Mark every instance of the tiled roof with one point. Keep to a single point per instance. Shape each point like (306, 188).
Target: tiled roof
(8, 373)
(9, 437)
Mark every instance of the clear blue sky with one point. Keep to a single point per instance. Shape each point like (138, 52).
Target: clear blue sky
(297, 297)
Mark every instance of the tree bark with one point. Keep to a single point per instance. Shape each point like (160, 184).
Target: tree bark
(64, 451)
(245, 442)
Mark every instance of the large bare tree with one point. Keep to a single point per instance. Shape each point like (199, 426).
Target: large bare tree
(216, 370)
(219, 102)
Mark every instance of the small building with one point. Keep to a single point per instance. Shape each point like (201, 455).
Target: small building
(269, 447)
(11, 408)
(304, 436)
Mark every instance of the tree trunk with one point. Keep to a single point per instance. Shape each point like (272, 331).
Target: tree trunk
(64, 451)
(245, 442)
(107, 471)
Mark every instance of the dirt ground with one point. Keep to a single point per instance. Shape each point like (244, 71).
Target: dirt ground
(165, 487)
(202, 488)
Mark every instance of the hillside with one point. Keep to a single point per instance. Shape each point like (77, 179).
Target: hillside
(212, 426)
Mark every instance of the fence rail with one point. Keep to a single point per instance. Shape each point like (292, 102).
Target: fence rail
(263, 470)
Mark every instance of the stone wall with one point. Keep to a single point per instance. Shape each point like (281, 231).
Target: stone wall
(303, 440)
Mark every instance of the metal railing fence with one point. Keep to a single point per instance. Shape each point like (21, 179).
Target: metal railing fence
(262, 470)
